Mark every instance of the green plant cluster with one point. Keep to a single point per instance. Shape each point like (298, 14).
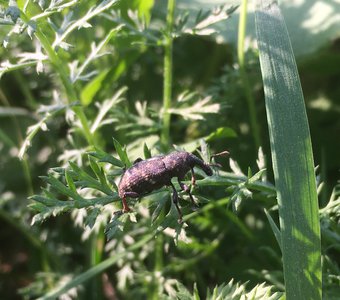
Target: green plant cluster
(87, 87)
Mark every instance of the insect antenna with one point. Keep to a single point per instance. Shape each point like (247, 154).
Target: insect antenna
(214, 164)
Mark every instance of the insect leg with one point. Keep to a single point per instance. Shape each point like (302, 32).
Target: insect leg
(175, 201)
(126, 208)
(186, 189)
(193, 178)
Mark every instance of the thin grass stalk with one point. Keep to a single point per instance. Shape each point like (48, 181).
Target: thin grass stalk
(244, 77)
(292, 156)
(72, 97)
(22, 83)
(96, 270)
(24, 161)
(45, 255)
(158, 264)
(167, 80)
(96, 247)
(59, 66)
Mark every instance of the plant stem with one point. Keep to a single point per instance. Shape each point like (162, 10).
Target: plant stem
(24, 161)
(159, 264)
(244, 77)
(45, 255)
(167, 83)
(98, 269)
(167, 97)
(59, 66)
(72, 98)
(25, 90)
(96, 245)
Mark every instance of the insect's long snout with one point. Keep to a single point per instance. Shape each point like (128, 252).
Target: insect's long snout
(207, 170)
(205, 167)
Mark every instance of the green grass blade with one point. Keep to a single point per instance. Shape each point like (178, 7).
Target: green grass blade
(292, 156)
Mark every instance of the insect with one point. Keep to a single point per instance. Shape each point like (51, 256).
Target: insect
(151, 174)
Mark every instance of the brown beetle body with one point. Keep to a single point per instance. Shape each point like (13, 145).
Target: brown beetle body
(148, 175)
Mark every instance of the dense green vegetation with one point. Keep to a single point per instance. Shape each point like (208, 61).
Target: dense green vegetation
(87, 87)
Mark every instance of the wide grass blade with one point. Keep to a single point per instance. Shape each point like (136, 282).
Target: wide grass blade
(291, 154)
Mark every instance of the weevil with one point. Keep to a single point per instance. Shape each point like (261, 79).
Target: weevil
(151, 174)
